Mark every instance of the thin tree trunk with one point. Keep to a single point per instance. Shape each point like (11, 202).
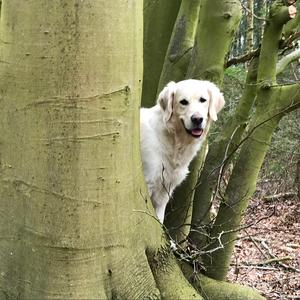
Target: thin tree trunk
(244, 176)
(272, 104)
(181, 44)
(223, 19)
(213, 42)
(219, 290)
(218, 158)
(159, 19)
(179, 210)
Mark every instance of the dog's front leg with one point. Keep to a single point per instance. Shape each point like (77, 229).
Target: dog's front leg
(160, 212)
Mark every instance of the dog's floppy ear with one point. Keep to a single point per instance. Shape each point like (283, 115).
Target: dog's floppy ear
(165, 99)
(216, 101)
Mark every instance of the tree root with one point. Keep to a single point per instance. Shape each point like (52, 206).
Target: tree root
(212, 289)
(169, 278)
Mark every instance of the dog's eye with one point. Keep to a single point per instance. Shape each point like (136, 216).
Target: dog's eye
(202, 100)
(184, 102)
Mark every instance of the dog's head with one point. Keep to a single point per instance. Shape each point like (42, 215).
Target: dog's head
(190, 104)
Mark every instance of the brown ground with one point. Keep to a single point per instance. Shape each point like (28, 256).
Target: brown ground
(279, 235)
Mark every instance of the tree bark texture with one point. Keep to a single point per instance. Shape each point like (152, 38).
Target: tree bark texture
(219, 290)
(181, 43)
(213, 42)
(159, 19)
(69, 116)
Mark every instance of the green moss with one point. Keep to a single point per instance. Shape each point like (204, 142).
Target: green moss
(159, 19)
(212, 289)
(181, 43)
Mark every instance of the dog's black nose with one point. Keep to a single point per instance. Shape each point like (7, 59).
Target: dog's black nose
(196, 120)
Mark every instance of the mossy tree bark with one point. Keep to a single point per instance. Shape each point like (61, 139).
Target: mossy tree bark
(72, 222)
(273, 104)
(221, 150)
(220, 290)
(159, 19)
(181, 43)
(213, 42)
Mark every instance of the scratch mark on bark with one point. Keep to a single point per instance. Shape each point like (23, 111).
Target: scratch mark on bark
(4, 42)
(58, 101)
(73, 248)
(105, 121)
(27, 188)
(78, 139)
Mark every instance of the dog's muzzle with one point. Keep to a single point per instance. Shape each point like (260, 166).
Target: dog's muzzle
(195, 132)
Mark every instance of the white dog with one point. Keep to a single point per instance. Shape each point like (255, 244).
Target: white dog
(172, 132)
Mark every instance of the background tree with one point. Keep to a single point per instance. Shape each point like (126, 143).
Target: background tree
(272, 102)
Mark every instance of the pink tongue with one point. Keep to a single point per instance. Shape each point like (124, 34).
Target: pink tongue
(197, 131)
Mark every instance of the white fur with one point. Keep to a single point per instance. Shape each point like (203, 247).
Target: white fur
(167, 147)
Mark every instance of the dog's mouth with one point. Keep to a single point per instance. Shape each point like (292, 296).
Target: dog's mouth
(194, 132)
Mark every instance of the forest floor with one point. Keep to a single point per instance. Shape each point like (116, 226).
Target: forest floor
(275, 234)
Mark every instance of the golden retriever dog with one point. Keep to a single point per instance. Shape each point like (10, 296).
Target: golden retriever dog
(172, 133)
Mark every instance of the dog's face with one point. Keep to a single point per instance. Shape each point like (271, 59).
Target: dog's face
(189, 104)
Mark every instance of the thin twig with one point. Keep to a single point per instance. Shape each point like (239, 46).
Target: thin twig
(255, 267)
(243, 58)
(272, 260)
(255, 244)
(264, 244)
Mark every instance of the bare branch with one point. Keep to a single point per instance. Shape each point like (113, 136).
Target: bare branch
(243, 58)
(288, 43)
(286, 60)
(283, 44)
(280, 195)
(266, 247)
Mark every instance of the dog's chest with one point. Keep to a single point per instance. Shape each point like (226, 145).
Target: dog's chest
(175, 168)
(177, 175)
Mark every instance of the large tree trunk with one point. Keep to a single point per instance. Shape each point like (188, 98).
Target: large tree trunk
(74, 222)
(69, 116)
